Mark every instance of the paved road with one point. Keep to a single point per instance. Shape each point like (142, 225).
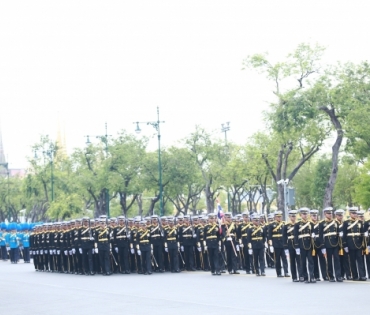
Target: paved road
(24, 291)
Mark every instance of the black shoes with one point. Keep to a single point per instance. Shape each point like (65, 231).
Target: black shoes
(295, 280)
(332, 280)
(363, 279)
(280, 276)
(287, 275)
(263, 274)
(236, 272)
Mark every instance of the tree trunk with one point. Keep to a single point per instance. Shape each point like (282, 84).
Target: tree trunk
(328, 197)
(209, 199)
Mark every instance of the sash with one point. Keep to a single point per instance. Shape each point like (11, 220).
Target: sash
(212, 228)
(290, 230)
(184, 230)
(154, 229)
(105, 231)
(85, 231)
(121, 230)
(304, 226)
(278, 227)
(352, 225)
(144, 234)
(257, 230)
(170, 233)
(329, 225)
(230, 228)
(245, 227)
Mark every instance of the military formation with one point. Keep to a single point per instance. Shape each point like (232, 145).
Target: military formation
(332, 249)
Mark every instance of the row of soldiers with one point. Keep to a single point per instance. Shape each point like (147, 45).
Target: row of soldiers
(15, 242)
(334, 246)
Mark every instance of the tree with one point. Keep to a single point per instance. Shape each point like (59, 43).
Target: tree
(295, 127)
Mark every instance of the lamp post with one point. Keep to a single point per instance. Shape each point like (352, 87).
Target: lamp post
(156, 125)
(225, 128)
(104, 139)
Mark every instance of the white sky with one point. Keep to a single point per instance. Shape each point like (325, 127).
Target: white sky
(95, 61)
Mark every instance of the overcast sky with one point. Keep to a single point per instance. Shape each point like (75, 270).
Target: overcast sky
(91, 62)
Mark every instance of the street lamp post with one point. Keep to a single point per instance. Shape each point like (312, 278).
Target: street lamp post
(156, 125)
(225, 128)
(104, 139)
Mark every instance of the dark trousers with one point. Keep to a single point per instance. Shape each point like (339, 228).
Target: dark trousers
(259, 260)
(132, 262)
(58, 261)
(96, 261)
(166, 260)
(248, 262)
(173, 259)
(295, 264)
(158, 255)
(138, 262)
(65, 262)
(279, 255)
(355, 256)
(146, 261)
(4, 253)
(87, 261)
(104, 260)
(213, 259)
(26, 254)
(344, 265)
(123, 258)
(188, 257)
(319, 259)
(14, 255)
(46, 261)
(35, 261)
(306, 257)
(332, 255)
(231, 258)
(51, 260)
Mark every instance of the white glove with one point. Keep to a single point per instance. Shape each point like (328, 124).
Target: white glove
(55, 251)
(237, 248)
(286, 252)
(41, 251)
(205, 248)
(229, 239)
(341, 234)
(70, 253)
(51, 252)
(66, 252)
(96, 250)
(91, 238)
(323, 250)
(132, 251)
(116, 249)
(313, 235)
(366, 234)
(74, 251)
(194, 236)
(241, 245)
(151, 251)
(139, 252)
(199, 249)
(219, 248)
(37, 252)
(298, 251)
(58, 252)
(346, 249)
(182, 248)
(250, 251)
(21, 247)
(80, 250)
(271, 249)
(166, 249)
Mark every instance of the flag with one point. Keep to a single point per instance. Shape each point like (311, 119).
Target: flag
(220, 215)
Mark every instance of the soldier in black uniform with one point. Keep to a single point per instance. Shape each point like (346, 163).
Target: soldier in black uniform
(269, 256)
(212, 243)
(229, 231)
(122, 241)
(144, 248)
(186, 235)
(166, 262)
(243, 242)
(367, 245)
(329, 237)
(171, 245)
(352, 240)
(303, 243)
(134, 241)
(157, 243)
(57, 244)
(275, 241)
(196, 245)
(343, 256)
(86, 241)
(289, 248)
(318, 257)
(103, 246)
(256, 245)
